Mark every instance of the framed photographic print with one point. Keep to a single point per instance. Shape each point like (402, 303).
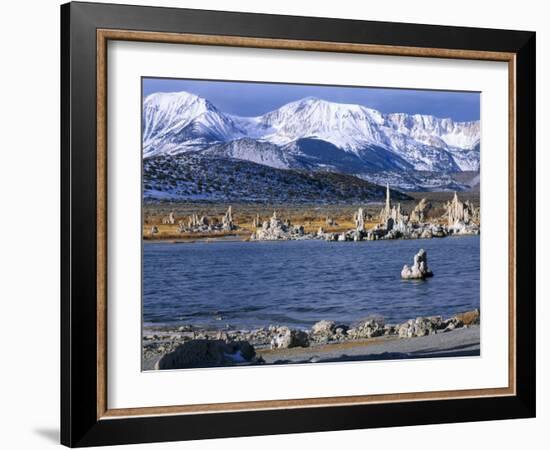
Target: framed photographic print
(276, 224)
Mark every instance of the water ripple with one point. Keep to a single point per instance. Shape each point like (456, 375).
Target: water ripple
(300, 282)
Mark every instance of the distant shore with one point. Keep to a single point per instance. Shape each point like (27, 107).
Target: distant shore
(202, 221)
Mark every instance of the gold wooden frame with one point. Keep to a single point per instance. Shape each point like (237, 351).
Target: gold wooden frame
(103, 36)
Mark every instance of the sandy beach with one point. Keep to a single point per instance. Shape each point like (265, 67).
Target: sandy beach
(460, 342)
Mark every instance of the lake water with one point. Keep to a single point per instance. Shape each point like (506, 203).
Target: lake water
(297, 283)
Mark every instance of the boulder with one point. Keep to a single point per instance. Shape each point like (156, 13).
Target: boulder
(421, 326)
(452, 324)
(324, 327)
(469, 317)
(207, 353)
(284, 337)
(368, 328)
(340, 331)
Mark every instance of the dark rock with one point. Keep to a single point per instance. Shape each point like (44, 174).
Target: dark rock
(205, 353)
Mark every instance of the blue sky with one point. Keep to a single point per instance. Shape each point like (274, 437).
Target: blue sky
(252, 99)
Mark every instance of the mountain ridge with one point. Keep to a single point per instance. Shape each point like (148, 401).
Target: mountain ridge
(315, 135)
(178, 122)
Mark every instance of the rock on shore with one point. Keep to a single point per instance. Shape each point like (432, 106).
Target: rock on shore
(284, 337)
(205, 353)
(190, 347)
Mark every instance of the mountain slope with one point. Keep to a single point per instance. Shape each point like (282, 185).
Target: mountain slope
(312, 134)
(193, 176)
(434, 131)
(320, 154)
(349, 127)
(254, 151)
(178, 121)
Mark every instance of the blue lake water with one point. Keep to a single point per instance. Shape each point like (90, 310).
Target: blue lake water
(297, 283)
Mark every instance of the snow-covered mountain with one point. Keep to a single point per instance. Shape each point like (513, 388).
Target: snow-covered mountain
(311, 134)
(176, 122)
(254, 151)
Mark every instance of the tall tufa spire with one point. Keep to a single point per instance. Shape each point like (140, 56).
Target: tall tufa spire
(388, 200)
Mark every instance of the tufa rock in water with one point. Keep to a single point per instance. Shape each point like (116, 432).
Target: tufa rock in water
(206, 224)
(359, 219)
(227, 220)
(169, 219)
(419, 213)
(392, 218)
(193, 221)
(419, 269)
(462, 217)
(181, 227)
(256, 221)
(275, 229)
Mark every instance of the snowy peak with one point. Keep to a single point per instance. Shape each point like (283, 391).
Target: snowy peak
(179, 121)
(164, 111)
(347, 126)
(335, 135)
(433, 130)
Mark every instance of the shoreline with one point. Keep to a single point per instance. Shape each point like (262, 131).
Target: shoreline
(440, 345)
(236, 238)
(328, 222)
(170, 347)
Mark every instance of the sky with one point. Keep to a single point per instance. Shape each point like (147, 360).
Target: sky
(253, 99)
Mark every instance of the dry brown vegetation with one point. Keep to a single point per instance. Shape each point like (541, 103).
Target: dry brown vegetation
(310, 216)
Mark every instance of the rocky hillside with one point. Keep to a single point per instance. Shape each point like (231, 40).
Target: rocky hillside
(195, 177)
